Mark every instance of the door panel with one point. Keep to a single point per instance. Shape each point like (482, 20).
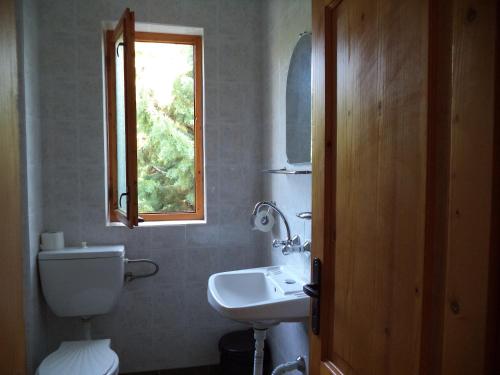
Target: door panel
(380, 184)
(470, 199)
(375, 145)
(392, 82)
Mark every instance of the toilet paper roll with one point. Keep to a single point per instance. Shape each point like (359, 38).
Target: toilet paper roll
(263, 221)
(52, 241)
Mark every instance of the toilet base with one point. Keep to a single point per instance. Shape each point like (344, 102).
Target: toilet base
(86, 357)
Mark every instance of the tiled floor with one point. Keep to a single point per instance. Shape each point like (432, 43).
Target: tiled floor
(204, 370)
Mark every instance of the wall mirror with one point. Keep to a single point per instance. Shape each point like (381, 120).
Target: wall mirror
(298, 103)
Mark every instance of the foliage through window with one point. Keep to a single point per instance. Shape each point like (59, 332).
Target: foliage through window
(163, 138)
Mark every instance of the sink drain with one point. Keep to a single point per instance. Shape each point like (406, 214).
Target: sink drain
(290, 281)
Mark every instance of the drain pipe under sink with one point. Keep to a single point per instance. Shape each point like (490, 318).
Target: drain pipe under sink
(299, 364)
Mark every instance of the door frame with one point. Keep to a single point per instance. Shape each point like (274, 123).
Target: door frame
(12, 329)
(323, 166)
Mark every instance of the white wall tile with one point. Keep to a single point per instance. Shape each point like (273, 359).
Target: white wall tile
(166, 344)
(170, 237)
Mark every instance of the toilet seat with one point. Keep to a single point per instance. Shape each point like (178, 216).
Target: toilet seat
(89, 357)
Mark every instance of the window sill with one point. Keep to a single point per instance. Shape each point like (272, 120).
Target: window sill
(148, 224)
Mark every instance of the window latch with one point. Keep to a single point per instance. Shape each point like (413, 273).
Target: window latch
(120, 199)
(118, 48)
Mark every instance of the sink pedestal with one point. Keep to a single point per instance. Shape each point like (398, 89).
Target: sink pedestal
(259, 335)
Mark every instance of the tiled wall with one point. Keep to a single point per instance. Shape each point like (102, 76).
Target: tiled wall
(158, 324)
(35, 309)
(164, 321)
(283, 21)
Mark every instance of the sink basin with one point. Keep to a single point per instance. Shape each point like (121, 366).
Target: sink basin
(260, 296)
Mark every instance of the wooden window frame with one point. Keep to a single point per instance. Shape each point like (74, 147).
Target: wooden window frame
(196, 42)
(125, 27)
(153, 37)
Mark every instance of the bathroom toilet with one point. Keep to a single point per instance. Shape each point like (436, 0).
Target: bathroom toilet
(82, 282)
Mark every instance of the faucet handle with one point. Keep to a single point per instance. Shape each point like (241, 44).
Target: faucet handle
(286, 249)
(292, 246)
(295, 240)
(279, 243)
(306, 247)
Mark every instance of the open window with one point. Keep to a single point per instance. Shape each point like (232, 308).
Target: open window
(122, 134)
(155, 140)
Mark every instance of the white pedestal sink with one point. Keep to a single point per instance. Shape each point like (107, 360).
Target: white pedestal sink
(262, 297)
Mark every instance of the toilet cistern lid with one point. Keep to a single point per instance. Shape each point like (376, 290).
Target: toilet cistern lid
(90, 252)
(89, 357)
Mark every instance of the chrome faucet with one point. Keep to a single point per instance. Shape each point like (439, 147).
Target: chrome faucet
(291, 244)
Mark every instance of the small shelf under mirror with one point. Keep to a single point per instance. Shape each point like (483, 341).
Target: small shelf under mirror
(287, 171)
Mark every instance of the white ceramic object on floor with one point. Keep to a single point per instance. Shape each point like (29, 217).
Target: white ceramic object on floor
(259, 296)
(81, 358)
(82, 282)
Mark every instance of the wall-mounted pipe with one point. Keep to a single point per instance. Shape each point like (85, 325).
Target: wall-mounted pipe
(258, 357)
(129, 276)
(299, 364)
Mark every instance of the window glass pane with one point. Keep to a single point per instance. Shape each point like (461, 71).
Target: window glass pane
(165, 127)
(120, 126)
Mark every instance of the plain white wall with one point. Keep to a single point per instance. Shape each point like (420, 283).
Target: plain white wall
(283, 21)
(31, 141)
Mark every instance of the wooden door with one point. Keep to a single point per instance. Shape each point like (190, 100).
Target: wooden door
(12, 343)
(392, 166)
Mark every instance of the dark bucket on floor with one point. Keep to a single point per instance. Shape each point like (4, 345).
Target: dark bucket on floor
(236, 353)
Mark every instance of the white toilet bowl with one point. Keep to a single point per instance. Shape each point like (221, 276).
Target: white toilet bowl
(89, 357)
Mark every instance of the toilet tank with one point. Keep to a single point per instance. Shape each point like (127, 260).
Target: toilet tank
(82, 281)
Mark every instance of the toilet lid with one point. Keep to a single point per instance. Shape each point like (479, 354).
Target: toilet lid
(90, 357)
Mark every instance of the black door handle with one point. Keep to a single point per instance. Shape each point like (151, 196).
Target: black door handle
(313, 291)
